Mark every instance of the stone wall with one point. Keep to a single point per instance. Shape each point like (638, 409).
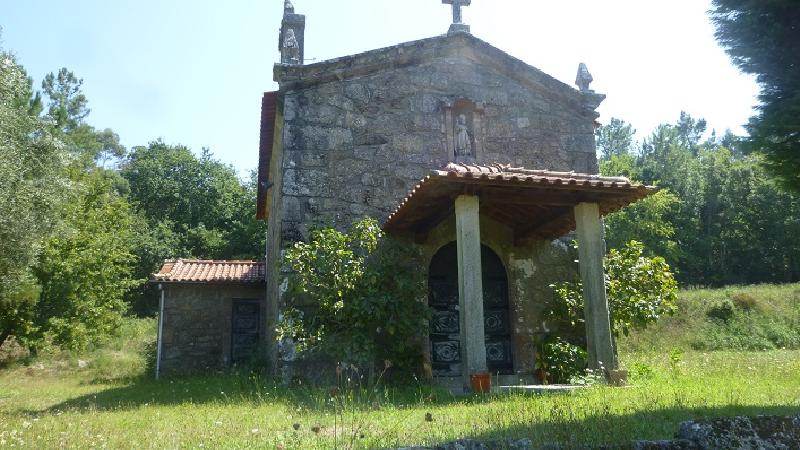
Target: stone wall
(358, 133)
(357, 146)
(196, 333)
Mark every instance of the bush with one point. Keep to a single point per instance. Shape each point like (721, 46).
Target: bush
(722, 310)
(744, 301)
(18, 310)
(640, 290)
(11, 351)
(560, 359)
(364, 294)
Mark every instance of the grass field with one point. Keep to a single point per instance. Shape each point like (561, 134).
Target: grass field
(109, 403)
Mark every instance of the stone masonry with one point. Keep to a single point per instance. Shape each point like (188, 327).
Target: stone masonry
(354, 135)
(197, 320)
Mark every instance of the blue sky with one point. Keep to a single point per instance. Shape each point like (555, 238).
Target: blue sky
(193, 72)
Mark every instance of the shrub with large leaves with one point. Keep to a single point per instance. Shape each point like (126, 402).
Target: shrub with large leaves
(640, 290)
(362, 295)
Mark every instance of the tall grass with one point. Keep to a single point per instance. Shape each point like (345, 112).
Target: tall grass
(105, 401)
(43, 410)
(762, 317)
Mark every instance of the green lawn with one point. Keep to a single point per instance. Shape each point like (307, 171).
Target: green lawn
(53, 403)
(41, 409)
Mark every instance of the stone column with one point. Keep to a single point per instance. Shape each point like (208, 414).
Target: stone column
(591, 250)
(470, 286)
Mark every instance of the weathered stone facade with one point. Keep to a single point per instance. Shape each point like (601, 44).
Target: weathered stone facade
(359, 132)
(354, 135)
(197, 324)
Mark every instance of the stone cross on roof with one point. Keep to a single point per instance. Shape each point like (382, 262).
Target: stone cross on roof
(458, 22)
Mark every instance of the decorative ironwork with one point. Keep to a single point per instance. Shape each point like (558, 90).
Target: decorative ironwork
(445, 322)
(446, 351)
(495, 322)
(498, 355)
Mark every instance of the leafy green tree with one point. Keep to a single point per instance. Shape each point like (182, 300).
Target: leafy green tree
(640, 290)
(32, 185)
(363, 295)
(647, 220)
(690, 131)
(718, 219)
(202, 197)
(152, 244)
(763, 38)
(85, 270)
(187, 207)
(615, 139)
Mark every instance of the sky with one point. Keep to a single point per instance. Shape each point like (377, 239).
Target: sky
(193, 71)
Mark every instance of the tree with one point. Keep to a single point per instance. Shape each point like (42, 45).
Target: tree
(85, 271)
(616, 138)
(32, 187)
(648, 221)
(690, 131)
(67, 109)
(187, 207)
(763, 38)
(640, 290)
(362, 295)
(67, 106)
(202, 198)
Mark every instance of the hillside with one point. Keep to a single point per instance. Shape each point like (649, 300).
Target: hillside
(761, 317)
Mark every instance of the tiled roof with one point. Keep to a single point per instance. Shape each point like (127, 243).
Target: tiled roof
(533, 203)
(543, 177)
(506, 172)
(209, 271)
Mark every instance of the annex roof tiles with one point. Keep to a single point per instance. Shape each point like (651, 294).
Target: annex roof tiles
(210, 271)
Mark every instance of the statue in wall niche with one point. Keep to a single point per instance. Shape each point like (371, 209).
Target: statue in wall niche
(463, 138)
(291, 48)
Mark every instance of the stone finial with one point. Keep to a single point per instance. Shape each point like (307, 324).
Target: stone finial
(591, 100)
(288, 8)
(584, 78)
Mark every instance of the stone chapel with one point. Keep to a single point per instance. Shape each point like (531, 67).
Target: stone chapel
(484, 162)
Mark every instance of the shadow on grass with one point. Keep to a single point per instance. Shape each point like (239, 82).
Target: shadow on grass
(563, 421)
(243, 389)
(621, 430)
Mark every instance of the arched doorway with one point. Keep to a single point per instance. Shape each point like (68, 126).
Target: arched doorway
(445, 332)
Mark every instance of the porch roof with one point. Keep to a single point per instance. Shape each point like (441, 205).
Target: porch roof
(536, 204)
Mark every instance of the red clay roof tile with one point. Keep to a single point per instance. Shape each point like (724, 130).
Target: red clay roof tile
(210, 271)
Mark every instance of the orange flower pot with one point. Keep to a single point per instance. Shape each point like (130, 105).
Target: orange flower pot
(481, 382)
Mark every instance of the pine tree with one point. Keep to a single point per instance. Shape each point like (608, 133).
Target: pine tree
(762, 37)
